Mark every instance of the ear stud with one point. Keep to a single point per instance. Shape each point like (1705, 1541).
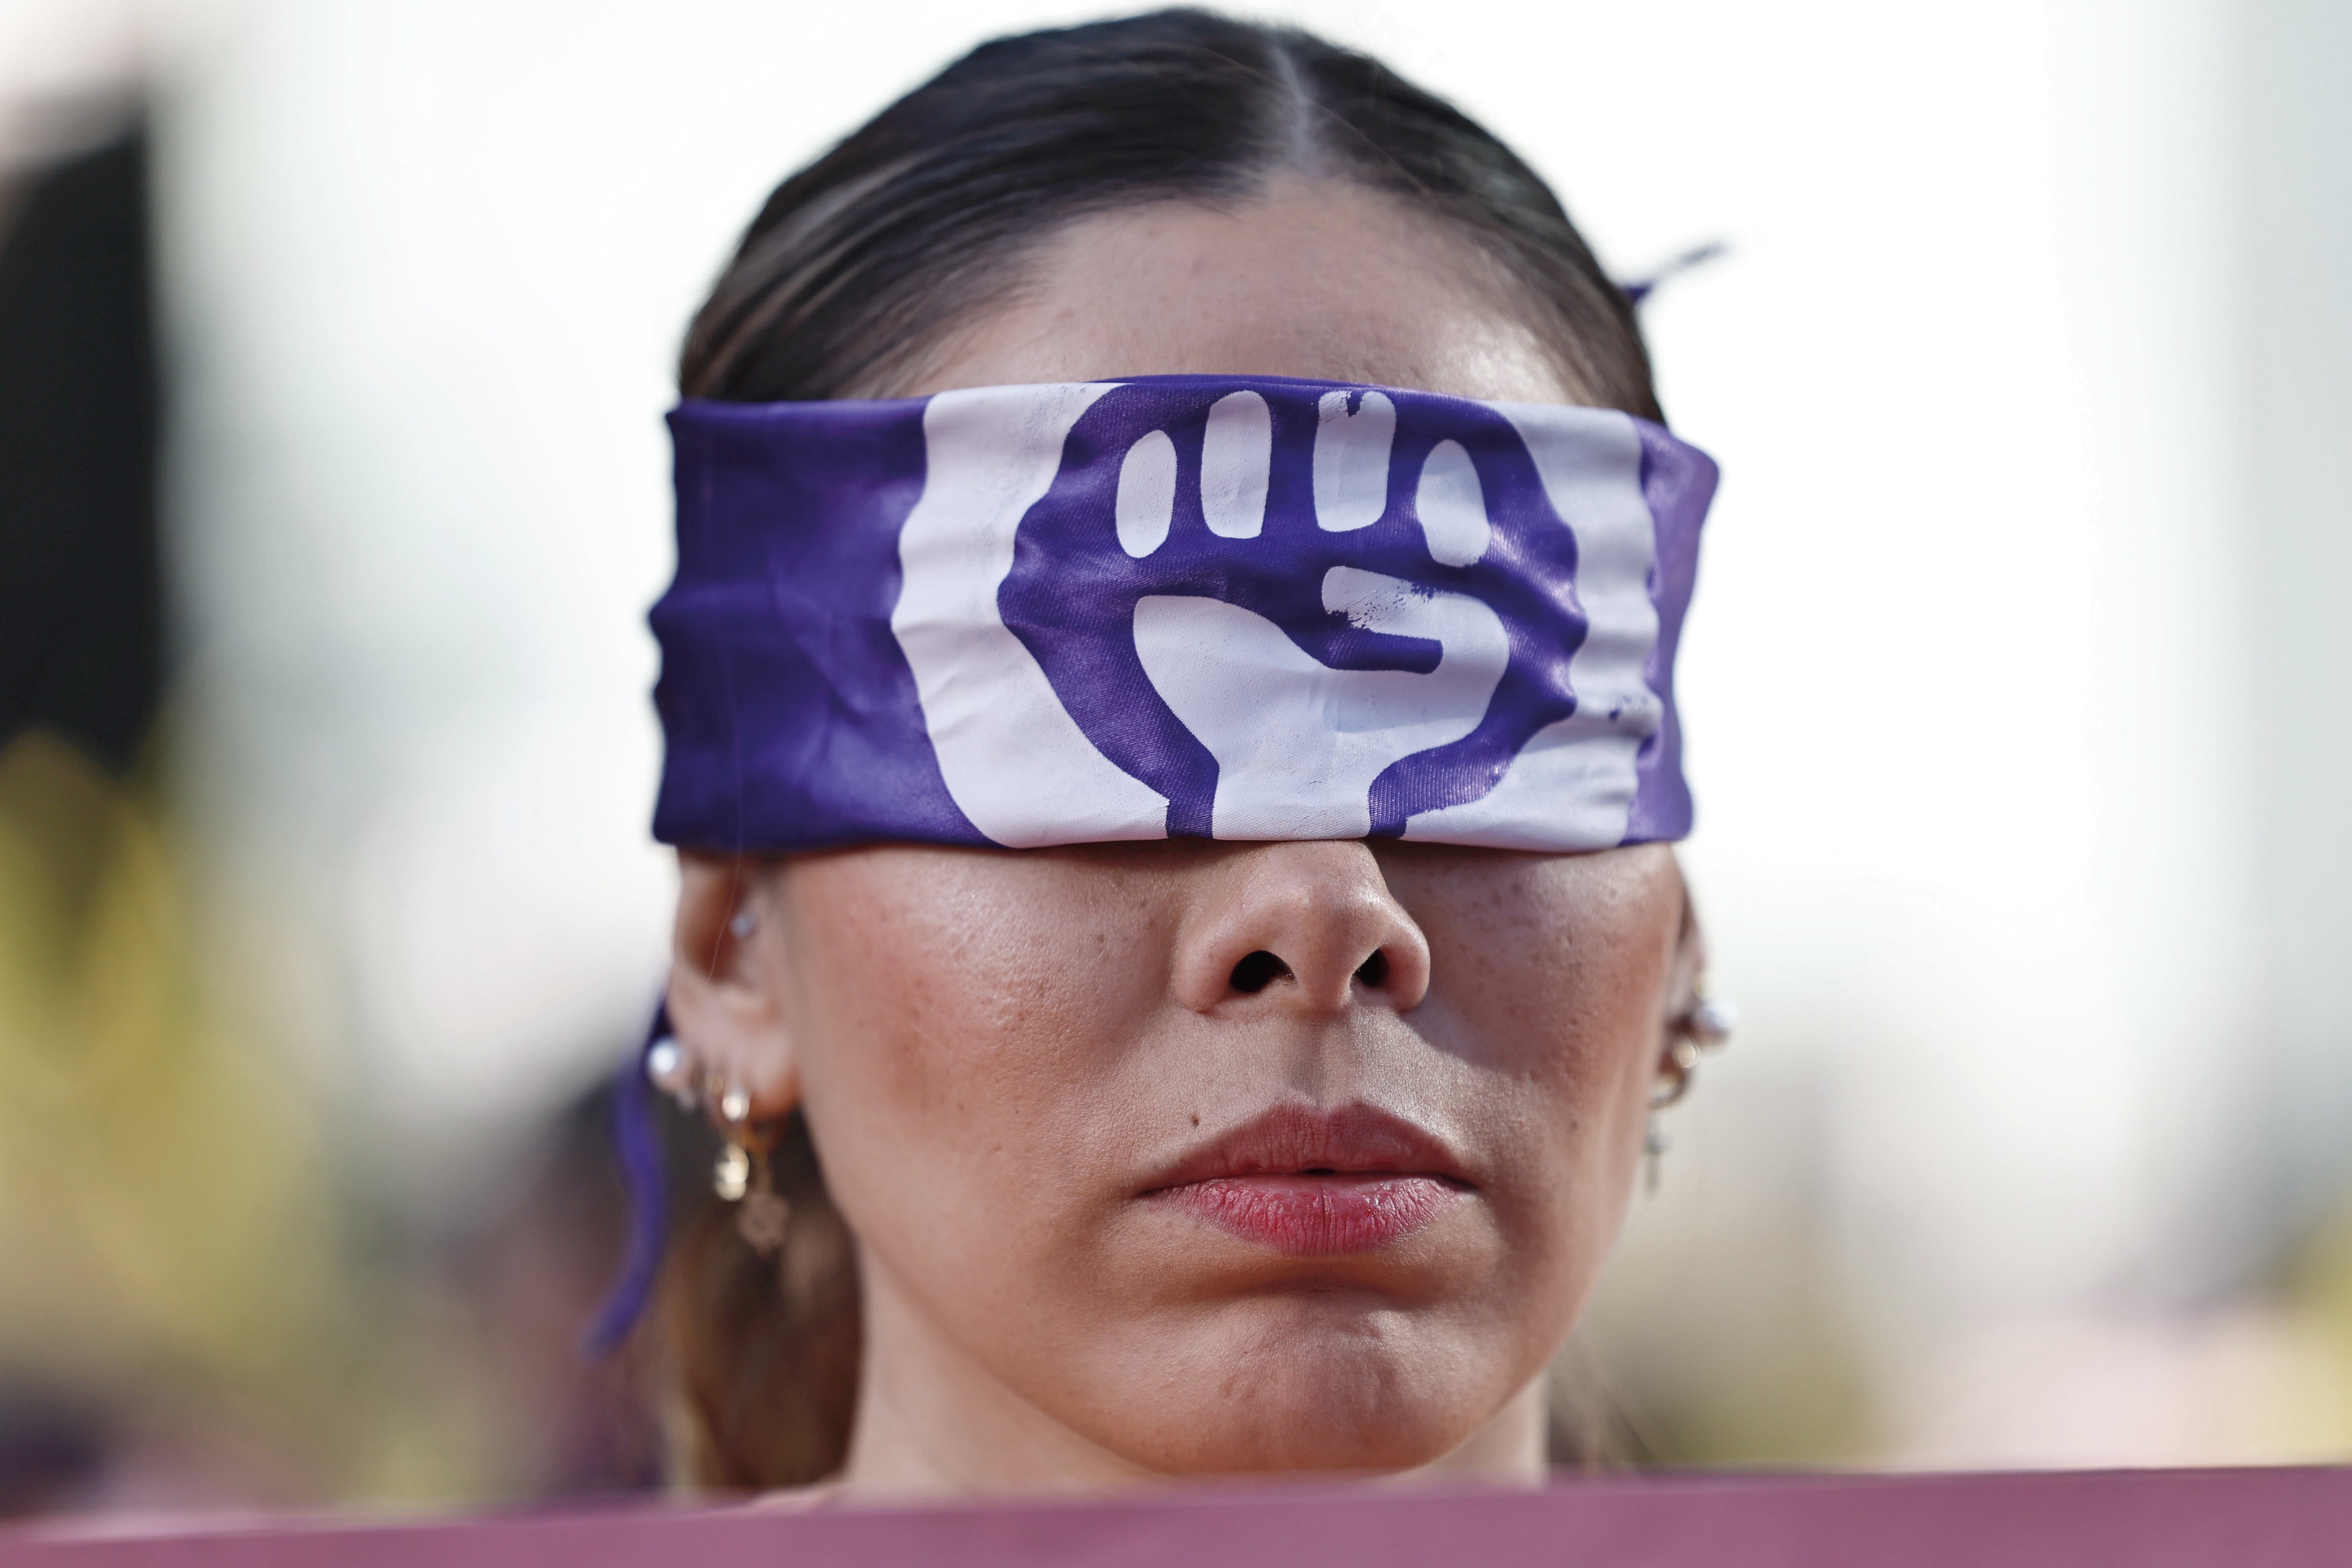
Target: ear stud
(669, 1072)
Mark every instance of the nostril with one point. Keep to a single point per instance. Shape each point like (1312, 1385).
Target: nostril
(1259, 970)
(1374, 971)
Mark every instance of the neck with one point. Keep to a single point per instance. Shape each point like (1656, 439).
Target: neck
(933, 1422)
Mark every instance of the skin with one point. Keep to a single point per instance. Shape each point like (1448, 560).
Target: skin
(997, 1050)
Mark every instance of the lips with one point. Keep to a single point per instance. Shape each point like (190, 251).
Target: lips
(1310, 1183)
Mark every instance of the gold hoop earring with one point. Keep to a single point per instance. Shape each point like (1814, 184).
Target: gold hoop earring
(745, 1178)
(1701, 1029)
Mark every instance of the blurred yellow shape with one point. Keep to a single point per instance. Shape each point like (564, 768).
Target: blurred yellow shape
(159, 1201)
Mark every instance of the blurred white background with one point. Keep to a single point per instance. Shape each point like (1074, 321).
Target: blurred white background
(2021, 708)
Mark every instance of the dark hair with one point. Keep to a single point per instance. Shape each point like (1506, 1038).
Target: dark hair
(859, 262)
(864, 260)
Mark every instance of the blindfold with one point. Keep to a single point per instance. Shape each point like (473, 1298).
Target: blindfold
(1230, 607)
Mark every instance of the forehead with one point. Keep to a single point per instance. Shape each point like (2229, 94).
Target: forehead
(1315, 280)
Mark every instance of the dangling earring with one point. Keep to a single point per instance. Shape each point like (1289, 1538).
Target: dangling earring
(1705, 1027)
(1653, 1155)
(1675, 1081)
(743, 1176)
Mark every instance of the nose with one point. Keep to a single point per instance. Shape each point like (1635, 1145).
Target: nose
(1305, 928)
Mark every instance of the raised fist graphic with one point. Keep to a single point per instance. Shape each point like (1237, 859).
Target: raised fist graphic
(1299, 612)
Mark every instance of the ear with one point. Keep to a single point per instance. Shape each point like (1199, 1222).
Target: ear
(1684, 973)
(724, 979)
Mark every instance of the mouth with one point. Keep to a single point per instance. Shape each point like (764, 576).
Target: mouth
(1317, 1183)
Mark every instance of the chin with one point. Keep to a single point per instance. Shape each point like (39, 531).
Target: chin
(1318, 1398)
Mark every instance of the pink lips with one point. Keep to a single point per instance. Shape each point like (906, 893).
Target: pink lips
(1314, 1184)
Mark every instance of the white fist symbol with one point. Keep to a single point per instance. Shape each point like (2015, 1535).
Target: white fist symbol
(1298, 743)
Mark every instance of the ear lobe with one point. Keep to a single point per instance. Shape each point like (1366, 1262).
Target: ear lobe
(723, 983)
(1684, 971)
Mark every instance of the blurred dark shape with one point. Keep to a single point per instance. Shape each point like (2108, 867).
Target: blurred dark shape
(533, 1274)
(53, 1451)
(1641, 288)
(80, 594)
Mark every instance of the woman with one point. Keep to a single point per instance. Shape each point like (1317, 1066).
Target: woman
(1177, 931)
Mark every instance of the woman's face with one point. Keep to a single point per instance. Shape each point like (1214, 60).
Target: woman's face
(1192, 1157)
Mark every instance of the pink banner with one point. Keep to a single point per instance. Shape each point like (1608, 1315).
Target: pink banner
(2141, 1519)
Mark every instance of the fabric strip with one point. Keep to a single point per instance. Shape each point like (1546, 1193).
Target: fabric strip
(1246, 608)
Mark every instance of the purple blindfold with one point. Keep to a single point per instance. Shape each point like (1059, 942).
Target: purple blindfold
(1245, 608)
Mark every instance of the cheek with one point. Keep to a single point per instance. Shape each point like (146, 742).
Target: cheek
(951, 1020)
(1550, 986)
